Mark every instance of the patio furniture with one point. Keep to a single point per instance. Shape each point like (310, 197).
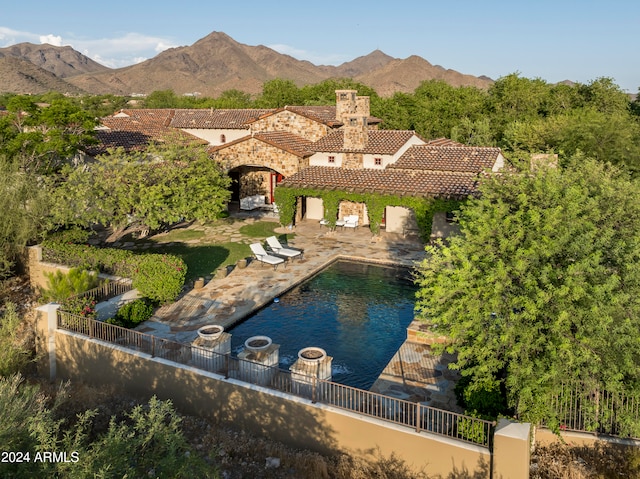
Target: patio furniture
(280, 250)
(261, 255)
(351, 221)
(252, 202)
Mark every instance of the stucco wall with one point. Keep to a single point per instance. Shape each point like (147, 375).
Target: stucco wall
(400, 220)
(38, 270)
(213, 136)
(284, 418)
(315, 209)
(322, 159)
(441, 228)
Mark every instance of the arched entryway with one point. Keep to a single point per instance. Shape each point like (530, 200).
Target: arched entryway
(253, 186)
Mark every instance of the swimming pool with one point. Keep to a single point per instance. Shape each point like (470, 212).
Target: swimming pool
(357, 312)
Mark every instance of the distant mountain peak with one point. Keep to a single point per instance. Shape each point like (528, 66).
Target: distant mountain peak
(216, 63)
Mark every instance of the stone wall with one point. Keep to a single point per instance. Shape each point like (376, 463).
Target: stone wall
(258, 153)
(352, 160)
(293, 123)
(348, 208)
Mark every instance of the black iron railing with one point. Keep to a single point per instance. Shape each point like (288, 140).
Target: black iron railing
(394, 410)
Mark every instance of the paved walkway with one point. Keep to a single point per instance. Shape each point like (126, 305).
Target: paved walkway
(413, 374)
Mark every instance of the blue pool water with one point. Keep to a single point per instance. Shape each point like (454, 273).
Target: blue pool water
(358, 313)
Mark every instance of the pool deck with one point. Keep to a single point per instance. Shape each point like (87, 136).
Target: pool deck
(413, 374)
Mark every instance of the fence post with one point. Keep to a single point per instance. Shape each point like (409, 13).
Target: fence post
(314, 385)
(91, 328)
(153, 346)
(418, 420)
(226, 365)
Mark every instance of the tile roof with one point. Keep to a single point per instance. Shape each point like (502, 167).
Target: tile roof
(284, 140)
(135, 129)
(443, 142)
(209, 118)
(322, 114)
(381, 142)
(470, 159)
(401, 182)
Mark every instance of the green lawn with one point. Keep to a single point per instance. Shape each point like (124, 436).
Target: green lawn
(205, 259)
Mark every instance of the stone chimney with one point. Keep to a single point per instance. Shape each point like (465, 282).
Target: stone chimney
(355, 133)
(353, 111)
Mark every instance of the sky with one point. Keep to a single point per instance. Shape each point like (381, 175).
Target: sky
(577, 40)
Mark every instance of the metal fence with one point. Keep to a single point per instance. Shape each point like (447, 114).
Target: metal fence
(107, 290)
(583, 409)
(398, 411)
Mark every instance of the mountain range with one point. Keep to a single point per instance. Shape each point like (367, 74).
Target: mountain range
(210, 66)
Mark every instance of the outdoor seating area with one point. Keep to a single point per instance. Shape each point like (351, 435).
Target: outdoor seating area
(279, 250)
(349, 221)
(262, 256)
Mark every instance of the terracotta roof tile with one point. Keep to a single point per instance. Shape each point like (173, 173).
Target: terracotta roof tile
(447, 158)
(287, 141)
(382, 142)
(284, 140)
(135, 129)
(210, 118)
(405, 183)
(444, 142)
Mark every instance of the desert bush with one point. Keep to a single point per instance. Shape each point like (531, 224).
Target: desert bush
(149, 442)
(15, 353)
(25, 425)
(61, 286)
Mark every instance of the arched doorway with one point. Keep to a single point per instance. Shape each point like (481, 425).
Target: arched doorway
(253, 186)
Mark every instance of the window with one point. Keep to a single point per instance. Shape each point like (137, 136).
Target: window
(332, 159)
(223, 139)
(377, 161)
(353, 121)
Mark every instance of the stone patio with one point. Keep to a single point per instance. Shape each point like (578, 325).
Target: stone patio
(413, 374)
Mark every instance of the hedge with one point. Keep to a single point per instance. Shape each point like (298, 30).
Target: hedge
(159, 277)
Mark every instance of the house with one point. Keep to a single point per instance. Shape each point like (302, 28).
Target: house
(135, 129)
(320, 148)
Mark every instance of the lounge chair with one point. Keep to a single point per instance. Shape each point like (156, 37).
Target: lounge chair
(264, 257)
(280, 250)
(351, 221)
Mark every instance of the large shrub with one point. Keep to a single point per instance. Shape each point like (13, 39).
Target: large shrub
(61, 286)
(133, 313)
(159, 277)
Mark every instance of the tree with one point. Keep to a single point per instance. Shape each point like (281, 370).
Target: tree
(136, 192)
(162, 99)
(542, 285)
(24, 204)
(279, 93)
(41, 139)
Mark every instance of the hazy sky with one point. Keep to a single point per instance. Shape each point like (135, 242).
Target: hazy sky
(553, 40)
